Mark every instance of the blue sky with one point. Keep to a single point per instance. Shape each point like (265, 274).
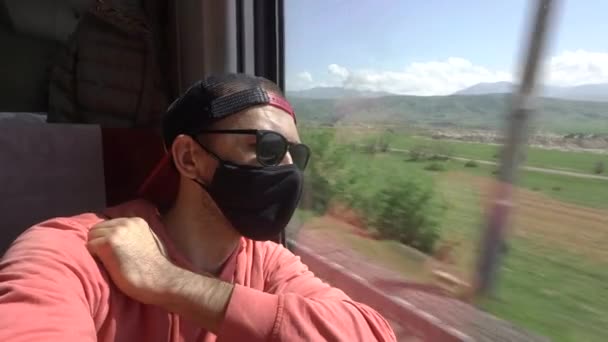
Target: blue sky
(435, 46)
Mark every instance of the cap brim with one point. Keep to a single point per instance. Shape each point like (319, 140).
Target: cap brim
(161, 185)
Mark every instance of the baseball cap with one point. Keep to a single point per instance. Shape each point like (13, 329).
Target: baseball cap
(204, 103)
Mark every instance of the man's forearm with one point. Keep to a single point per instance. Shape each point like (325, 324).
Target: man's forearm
(200, 298)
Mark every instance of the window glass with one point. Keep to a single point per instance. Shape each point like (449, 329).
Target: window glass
(405, 105)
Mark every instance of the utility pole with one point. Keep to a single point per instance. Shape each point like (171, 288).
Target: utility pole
(513, 152)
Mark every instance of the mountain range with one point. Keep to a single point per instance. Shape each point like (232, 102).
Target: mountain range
(586, 92)
(487, 111)
(334, 93)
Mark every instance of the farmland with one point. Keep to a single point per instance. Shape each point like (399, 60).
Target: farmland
(553, 279)
(408, 139)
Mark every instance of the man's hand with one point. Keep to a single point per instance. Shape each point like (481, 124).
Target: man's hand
(133, 256)
(137, 263)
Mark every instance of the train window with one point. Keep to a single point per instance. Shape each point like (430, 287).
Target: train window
(405, 106)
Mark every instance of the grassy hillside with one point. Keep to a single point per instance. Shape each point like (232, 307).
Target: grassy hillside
(473, 111)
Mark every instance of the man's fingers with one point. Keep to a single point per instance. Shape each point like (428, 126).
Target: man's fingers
(95, 245)
(112, 223)
(100, 231)
(107, 227)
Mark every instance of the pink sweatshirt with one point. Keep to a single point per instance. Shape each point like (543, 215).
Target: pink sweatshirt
(52, 289)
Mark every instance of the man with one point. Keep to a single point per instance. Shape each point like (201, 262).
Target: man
(196, 270)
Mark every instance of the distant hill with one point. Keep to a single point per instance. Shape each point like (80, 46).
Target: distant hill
(487, 88)
(468, 111)
(334, 93)
(587, 92)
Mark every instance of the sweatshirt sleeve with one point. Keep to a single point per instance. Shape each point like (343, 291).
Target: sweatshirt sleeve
(297, 306)
(49, 288)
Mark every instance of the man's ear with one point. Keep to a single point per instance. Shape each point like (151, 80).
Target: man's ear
(191, 160)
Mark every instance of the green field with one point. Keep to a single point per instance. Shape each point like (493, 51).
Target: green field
(587, 192)
(591, 193)
(553, 291)
(583, 162)
(554, 278)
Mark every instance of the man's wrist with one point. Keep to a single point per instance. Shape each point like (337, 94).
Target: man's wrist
(201, 298)
(168, 285)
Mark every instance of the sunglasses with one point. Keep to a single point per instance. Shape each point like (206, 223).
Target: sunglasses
(271, 147)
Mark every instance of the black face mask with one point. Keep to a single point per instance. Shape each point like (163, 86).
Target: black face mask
(258, 201)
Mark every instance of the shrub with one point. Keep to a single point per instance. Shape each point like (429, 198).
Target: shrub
(436, 151)
(437, 157)
(377, 143)
(556, 188)
(442, 149)
(415, 156)
(399, 208)
(370, 148)
(318, 193)
(599, 167)
(435, 167)
(471, 163)
(382, 146)
(327, 158)
(404, 213)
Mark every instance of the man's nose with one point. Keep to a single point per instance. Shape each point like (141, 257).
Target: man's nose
(287, 160)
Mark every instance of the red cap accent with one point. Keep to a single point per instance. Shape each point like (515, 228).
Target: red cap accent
(281, 103)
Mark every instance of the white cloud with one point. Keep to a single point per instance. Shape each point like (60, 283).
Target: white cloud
(445, 77)
(302, 80)
(571, 68)
(305, 76)
(339, 71)
(424, 78)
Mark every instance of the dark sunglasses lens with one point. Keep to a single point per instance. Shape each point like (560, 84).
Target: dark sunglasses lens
(300, 154)
(271, 148)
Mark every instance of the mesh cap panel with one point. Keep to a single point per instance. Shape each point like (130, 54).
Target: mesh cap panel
(215, 98)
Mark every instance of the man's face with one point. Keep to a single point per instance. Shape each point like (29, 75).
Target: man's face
(194, 162)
